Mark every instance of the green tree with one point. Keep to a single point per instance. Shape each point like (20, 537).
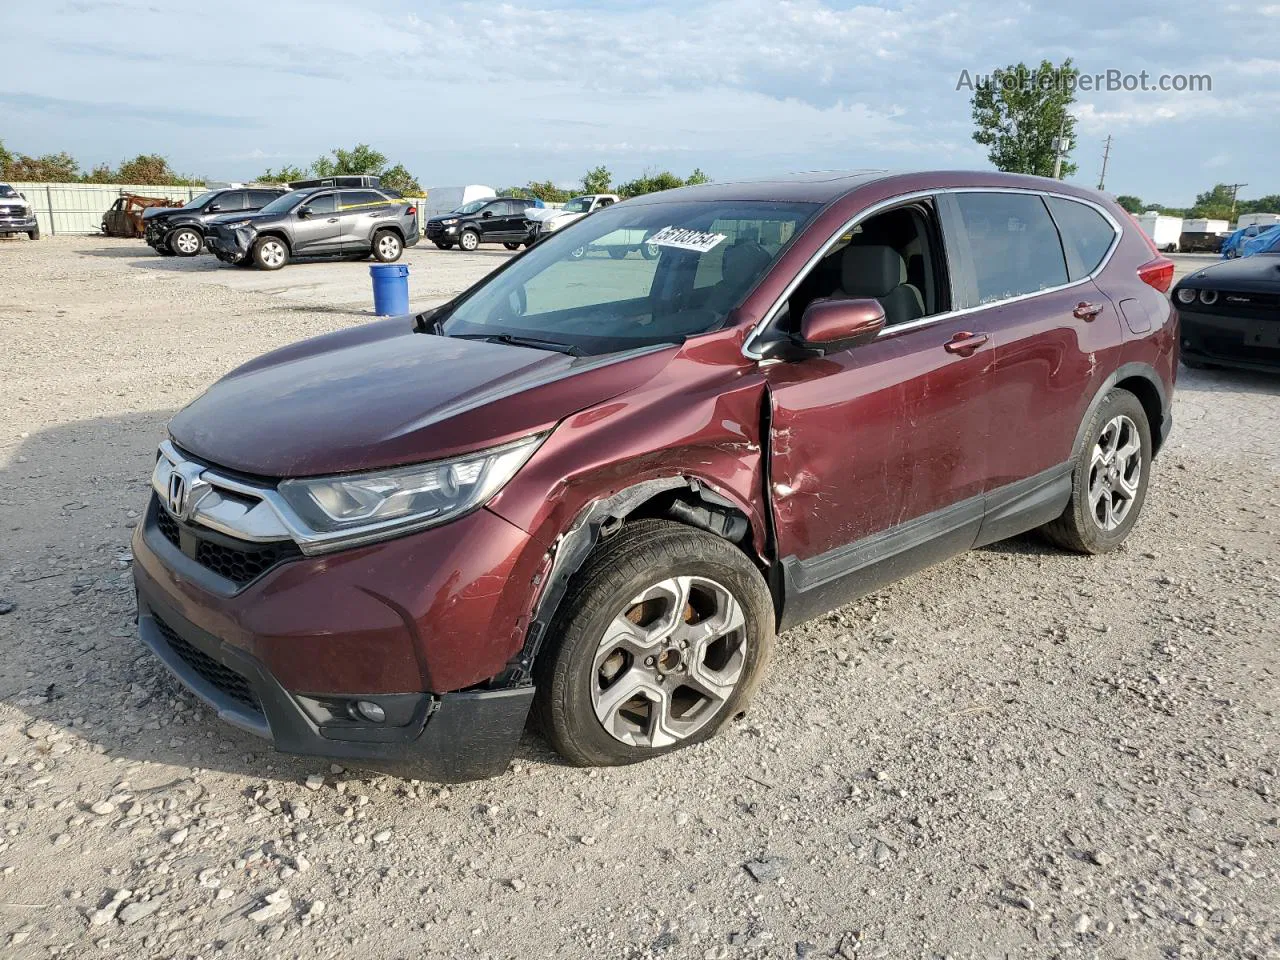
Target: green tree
(1018, 111)
(1214, 204)
(6, 158)
(1130, 203)
(546, 191)
(286, 174)
(697, 177)
(362, 159)
(150, 168)
(398, 178)
(1267, 204)
(52, 167)
(597, 180)
(651, 181)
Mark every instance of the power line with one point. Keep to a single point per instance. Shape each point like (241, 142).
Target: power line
(1106, 155)
(1235, 188)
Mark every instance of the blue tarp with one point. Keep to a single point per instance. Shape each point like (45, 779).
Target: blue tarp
(1268, 241)
(1250, 240)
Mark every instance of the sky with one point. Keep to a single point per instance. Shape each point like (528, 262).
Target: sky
(477, 91)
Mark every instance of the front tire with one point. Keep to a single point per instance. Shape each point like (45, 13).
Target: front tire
(662, 637)
(469, 241)
(387, 246)
(1109, 480)
(34, 234)
(269, 253)
(185, 242)
(512, 246)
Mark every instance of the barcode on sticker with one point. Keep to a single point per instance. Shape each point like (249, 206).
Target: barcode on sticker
(682, 238)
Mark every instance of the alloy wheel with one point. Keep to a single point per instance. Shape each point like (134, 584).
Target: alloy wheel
(388, 247)
(187, 242)
(668, 662)
(1115, 472)
(468, 241)
(273, 253)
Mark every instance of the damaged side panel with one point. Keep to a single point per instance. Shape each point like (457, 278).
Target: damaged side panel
(877, 464)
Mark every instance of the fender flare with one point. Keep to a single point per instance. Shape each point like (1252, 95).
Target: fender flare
(1126, 371)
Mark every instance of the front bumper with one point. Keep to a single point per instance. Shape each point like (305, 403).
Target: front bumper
(230, 246)
(10, 225)
(413, 624)
(1247, 341)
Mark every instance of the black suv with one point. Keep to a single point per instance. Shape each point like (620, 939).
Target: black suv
(317, 222)
(496, 220)
(182, 231)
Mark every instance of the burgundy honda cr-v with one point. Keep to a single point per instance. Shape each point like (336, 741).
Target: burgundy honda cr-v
(597, 485)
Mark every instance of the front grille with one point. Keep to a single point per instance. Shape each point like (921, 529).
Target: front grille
(219, 676)
(239, 561)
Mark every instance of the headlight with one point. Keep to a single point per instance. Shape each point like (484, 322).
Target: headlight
(387, 502)
(450, 222)
(1186, 295)
(1208, 297)
(237, 224)
(550, 225)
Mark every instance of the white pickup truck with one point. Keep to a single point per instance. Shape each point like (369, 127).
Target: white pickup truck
(546, 220)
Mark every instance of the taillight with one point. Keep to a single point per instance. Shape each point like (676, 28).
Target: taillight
(412, 211)
(1157, 273)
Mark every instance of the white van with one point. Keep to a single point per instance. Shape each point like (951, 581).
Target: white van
(447, 199)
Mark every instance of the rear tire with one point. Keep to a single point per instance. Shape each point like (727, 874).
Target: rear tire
(469, 241)
(185, 242)
(440, 245)
(1109, 479)
(164, 251)
(269, 253)
(387, 246)
(692, 598)
(617, 253)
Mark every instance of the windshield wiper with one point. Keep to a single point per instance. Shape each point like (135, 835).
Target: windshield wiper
(515, 341)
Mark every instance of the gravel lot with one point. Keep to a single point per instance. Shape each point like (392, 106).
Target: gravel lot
(1016, 753)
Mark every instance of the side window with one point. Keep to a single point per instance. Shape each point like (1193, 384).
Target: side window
(360, 200)
(234, 200)
(321, 205)
(605, 201)
(1085, 233)
(1013, 244)
(260, 198)
(894, 257)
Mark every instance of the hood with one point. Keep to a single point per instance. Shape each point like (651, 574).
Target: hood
(542, 214)
(1259, 273)
(382, 395)
(159, 213)
(253, 216)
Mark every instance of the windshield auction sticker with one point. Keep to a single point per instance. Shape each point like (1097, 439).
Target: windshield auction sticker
(684, 239)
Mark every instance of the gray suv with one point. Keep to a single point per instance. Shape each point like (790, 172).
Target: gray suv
(317, 222)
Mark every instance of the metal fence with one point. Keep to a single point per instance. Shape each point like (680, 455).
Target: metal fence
(78, 207)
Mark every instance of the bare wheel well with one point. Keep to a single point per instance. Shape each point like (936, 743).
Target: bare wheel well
(1149, 397)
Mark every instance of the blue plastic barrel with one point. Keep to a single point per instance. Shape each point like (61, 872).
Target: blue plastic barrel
(390, 289)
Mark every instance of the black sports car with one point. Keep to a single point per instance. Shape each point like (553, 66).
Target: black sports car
(1230, 314)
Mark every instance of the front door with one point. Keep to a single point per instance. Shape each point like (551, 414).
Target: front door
(878, 454)
(316, 226)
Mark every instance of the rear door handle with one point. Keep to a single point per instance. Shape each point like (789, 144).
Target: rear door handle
(964, 343)
(1086, 311)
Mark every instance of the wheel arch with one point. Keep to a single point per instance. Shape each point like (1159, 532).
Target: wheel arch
(681, 498)
(1143, 382)
(278, 234)
(393, 227)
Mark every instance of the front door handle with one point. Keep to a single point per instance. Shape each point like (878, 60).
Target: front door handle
(965, 342)
(1086, 311)
(333, 219)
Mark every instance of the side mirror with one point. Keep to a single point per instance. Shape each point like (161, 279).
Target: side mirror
(486, 215)
(215, 207)
(835, 325)
(829, 326)
(304, 213)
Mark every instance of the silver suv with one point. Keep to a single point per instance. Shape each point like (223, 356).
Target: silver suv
(317, 222)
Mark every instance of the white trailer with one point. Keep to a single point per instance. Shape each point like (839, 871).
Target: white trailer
(447, 199)
(1257, 219)
(1205, 226)
(1164, 231)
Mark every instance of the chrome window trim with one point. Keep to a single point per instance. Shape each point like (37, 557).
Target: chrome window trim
(749, 345)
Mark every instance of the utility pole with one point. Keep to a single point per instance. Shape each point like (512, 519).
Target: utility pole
(1235, 187)
(1106, 155)
(1060, 147)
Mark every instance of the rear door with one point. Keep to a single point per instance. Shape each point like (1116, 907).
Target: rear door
(1053, 331)
(878, 453)
(359, 213)
(257, 199)
(316, 227)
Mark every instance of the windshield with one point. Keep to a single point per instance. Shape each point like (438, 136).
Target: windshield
(577, 205)
(285, 203)
(200, 200)
(7, 191)
(633, 275)
(473, 206)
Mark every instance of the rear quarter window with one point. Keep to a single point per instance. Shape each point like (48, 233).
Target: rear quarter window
(1086, 234)
(1013, 243)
